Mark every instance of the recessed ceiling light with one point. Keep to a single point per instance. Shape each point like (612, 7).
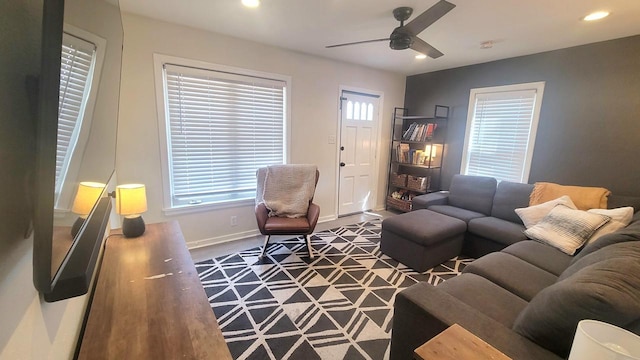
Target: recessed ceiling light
(596, 16)
(421, 56)
(251, 3)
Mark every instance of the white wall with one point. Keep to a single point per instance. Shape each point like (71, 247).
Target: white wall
(315, 84)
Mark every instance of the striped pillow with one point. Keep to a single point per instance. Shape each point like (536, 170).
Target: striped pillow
(566, 229)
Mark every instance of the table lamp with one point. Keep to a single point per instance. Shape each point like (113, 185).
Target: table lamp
(86, 196)
(131, 201)
(596, 340)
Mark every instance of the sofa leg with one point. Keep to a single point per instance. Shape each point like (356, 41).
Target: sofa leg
(264, 248)
(308, 241)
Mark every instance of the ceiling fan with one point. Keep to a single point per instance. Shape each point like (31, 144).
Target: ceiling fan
(405, 36)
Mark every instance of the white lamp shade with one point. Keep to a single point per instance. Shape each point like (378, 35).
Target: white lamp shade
(87, 195)
(131, 199)
(596, 340)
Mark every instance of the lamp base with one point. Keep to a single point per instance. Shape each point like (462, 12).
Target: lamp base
(76, 227)
(133, 227)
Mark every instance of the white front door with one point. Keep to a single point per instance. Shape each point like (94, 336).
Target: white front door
(358, 138)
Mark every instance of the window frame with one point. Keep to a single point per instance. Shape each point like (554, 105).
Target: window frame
(162, 106)
(69, 173)
(538, 87)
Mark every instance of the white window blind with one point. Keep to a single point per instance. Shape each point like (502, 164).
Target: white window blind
(500, 138)
(221, 128)
(76, 70)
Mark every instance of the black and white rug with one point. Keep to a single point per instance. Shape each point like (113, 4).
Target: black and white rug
(337, 306)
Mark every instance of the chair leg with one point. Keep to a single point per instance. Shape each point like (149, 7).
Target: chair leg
(264, 248)
(308, 241)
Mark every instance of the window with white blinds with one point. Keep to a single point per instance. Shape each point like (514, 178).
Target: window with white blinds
(501, 131)
(76, 71)
(221, 127)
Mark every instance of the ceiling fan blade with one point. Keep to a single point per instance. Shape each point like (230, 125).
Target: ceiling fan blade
(422, 47)
(357, 42)
(431, 15)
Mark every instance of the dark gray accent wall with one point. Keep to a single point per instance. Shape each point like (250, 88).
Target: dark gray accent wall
(589, 129)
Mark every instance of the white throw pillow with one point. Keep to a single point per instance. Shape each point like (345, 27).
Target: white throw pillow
(533, 214)
(566, 229)
(620, 217)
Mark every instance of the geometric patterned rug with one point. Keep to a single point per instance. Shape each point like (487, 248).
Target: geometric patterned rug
(337, 306)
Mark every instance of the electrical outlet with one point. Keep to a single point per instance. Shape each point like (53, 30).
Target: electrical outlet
(234, 220)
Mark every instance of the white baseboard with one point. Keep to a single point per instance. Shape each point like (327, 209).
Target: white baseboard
(221, 239)
(326, 218)
(238, 236)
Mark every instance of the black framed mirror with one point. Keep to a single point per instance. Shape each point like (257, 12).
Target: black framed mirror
(79, 89)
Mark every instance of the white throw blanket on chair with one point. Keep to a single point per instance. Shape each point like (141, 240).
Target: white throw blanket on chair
(288, 189)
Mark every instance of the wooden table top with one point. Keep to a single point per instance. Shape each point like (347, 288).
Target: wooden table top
(456, 343)
(149, 302)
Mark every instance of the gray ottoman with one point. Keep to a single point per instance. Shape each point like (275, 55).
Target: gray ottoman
(422, 239)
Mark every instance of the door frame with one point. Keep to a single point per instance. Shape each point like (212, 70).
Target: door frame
(377, 154)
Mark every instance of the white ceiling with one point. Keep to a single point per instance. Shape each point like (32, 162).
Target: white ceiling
(517, 27)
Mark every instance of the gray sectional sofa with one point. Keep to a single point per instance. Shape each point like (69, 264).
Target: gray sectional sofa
(523, 297)
(488, 209)
(527, 299)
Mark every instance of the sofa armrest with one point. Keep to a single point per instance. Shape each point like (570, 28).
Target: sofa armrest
(424, 201)
(422, 311)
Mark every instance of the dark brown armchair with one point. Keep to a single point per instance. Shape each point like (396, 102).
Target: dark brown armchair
(287, 226)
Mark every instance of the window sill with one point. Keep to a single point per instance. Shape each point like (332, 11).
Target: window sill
(190, 209)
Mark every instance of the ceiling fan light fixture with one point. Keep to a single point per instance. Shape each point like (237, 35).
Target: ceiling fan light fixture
(421, 56)
(404, 36)
(251, 3)
(596, 16)
(400, 40)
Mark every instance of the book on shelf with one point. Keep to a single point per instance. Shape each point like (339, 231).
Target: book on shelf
(407, 134)
(431, 128)
(402, 153)
(419, 132)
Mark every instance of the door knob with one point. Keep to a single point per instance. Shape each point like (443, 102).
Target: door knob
(341, 148)
(342, 164)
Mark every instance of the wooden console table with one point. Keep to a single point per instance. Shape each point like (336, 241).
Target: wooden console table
(149, 303)
(456, 343)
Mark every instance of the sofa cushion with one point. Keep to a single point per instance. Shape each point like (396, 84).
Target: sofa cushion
(473, 193)
(510, 196)
(486, 297)
(424, 227)
(511, 273)
(566, 229)
(456, 212)
(605, 291)
(498, 230)
(610, 252)
(543, 256)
